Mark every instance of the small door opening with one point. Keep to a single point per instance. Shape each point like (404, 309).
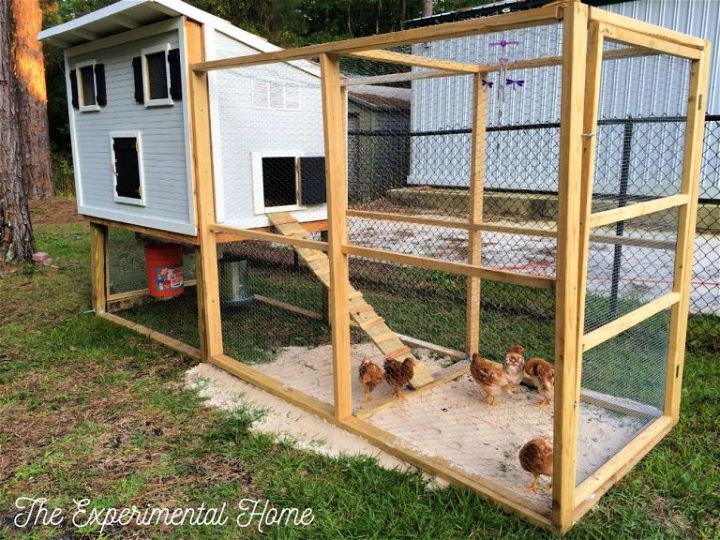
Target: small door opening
(279, 181)
(127, 169)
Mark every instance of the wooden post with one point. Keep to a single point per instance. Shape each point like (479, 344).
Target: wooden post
(687, 218)
(475, 217)
(210, 325)
(99, 266)
(336, 174)
(567, 343)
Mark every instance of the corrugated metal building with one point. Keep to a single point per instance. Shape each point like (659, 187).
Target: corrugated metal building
(526, 159)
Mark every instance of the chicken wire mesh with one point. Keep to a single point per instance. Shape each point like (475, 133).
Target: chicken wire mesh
(129, 296)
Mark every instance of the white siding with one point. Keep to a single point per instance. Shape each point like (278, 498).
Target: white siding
(643, 87)
(167, 193)
(240, 128)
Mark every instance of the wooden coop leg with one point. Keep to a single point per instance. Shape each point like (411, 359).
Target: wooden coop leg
(567, 342)
(99, 266)
(335, 172)
(687, 218)
(477, 182)
(210, 325)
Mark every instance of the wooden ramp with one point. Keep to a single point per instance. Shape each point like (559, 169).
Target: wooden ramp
(360, 311)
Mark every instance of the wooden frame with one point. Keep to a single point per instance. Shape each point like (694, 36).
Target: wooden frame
(477, 183)
(584, 32)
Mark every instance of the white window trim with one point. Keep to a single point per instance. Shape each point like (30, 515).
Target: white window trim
(117, 198)
(257, 181)
(162, 102)
(78, 81)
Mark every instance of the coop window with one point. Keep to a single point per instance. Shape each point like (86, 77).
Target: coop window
(158, 76)
(127, 167)
(287, 181)
(87, 86)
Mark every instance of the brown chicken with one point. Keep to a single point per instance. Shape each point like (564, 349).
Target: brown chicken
(491, 378)
(370, 376)
(398, 374)
(536, 457)
(514, 364)
(542, 375)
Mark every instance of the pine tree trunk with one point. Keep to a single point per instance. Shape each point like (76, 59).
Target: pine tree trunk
(29, 69)
(16, 235)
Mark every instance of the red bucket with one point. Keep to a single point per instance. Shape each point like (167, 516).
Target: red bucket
(164, 263)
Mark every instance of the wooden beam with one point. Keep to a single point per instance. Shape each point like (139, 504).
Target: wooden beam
(202, 170)
(631, 37)
(503, 276)
(588, 493)
(392, 57)
(398, 77)
(659, 32)
(161, 338)
(531, 63)
(475, 216)
(336, 174)
(387, 442)
(687, 218)
(567, 349)
(165, 235)
(627, 321)
(275, 238)
(624, 213)
(289, 307)
(139, 293)
(99, 266)
(319, 225)
(497, 23)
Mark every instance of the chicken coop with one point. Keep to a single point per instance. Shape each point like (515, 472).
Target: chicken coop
(290, 280)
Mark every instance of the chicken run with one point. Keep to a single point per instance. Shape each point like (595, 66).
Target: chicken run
(505, 375)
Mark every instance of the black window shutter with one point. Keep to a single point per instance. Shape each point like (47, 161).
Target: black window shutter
(175, 77)
(74, 89)
(101, 96)
(137, 74)
(312, 180)
(127, 168)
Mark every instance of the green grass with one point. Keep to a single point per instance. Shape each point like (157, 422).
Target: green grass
(92, 410)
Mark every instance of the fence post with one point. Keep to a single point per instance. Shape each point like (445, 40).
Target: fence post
(620, 225)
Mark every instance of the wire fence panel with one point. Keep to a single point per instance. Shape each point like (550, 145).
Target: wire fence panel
(175, 315)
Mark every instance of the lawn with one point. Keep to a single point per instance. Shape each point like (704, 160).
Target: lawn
(92, 410)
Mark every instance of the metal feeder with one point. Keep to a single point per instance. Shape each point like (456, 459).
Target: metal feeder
(234, 284)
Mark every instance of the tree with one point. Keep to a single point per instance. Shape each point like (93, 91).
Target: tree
(16, 234)
(29, 70)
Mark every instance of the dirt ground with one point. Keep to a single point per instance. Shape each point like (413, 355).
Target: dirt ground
(54, 211)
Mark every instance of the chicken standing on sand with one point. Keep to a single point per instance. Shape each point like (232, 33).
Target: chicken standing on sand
(492, 378)
(370, 376)
(536, 457)
(542, 374)
(513, 366)
(398, 374)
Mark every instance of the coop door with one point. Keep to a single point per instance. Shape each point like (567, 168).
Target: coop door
(127, 169)
(312, 180)
(279, 181)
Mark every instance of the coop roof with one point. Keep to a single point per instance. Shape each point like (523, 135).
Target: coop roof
(128, 14)
(380, 97)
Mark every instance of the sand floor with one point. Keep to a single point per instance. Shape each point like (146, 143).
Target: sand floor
(448, 421)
